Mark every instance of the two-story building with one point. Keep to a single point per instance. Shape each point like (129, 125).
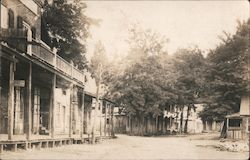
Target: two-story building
(44, 100)
(41, 94)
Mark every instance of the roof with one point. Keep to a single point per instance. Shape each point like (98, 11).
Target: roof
(90, 94)
(234, 115)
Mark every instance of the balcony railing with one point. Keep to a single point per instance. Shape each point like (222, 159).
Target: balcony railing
(13, 33)
(44, 53)
(78, 75)
(17, 39)
(63, 65)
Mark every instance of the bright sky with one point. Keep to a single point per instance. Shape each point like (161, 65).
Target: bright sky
(184, 23)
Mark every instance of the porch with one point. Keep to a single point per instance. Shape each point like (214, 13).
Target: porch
(39, 141)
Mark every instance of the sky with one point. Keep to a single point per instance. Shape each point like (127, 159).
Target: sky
(184, 23)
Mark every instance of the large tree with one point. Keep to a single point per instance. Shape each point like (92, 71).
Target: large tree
(141, 86)
(227, 74)
(98, 67)
(65, 27)
(189, 65)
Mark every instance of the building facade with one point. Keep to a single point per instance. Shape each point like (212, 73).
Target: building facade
(238, 124)
(42, 96)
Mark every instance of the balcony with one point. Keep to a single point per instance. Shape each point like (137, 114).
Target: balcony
(17, 39)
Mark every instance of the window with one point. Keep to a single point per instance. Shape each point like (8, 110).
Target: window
(33, 30)
(99, 106)
(11, 18)
(64, 92)
(103, 109)
(22, 24)
(19, 22)
(235, 122)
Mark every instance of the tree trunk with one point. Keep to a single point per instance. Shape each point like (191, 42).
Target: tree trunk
(181, 119)
(156, 124)
(186, 122)
(163, 125)
(142, 126)
(130, 124)
(141, 121)
(95, 113)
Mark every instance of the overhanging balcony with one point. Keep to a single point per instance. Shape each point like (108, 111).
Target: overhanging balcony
(17, 39)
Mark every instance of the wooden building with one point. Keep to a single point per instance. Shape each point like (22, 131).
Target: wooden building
(238, 124)
(42, 97)
(168, 122)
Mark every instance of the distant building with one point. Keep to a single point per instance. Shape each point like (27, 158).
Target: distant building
(195, 124)
(169, 122)
(238, 124)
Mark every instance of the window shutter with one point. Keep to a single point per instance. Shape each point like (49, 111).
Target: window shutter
(19, 22)
(11, 18)
(33, 29)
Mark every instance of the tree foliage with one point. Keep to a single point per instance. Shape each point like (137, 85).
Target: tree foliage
(138, 86)
(97, 68)
(189, 65)
(65, 27)
(152, 79)
(226, 74)
(99, 63)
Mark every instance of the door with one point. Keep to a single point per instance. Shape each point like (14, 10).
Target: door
(36, 110)
(18, 110)
(29, 37)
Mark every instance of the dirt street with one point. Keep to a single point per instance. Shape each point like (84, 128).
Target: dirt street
(132, 147)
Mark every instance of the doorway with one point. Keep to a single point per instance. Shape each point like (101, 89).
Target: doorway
(18, 110)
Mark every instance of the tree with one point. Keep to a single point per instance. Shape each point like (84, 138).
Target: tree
(227, 74)
(65, 27)
(189, 83)
(98, 65)
(139, 87)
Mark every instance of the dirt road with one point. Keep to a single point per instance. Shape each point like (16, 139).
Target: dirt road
(132, 147)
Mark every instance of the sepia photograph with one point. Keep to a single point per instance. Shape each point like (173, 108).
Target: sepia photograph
(124, 79)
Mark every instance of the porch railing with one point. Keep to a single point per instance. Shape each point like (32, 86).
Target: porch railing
(17, 38)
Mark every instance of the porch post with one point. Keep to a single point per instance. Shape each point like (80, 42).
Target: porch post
(52, 107)
(70, 109)
(82, 115)
(29, 105)
(101, 118)
(11, 102)
(227, 123)
(110, 120)
(105, 120)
